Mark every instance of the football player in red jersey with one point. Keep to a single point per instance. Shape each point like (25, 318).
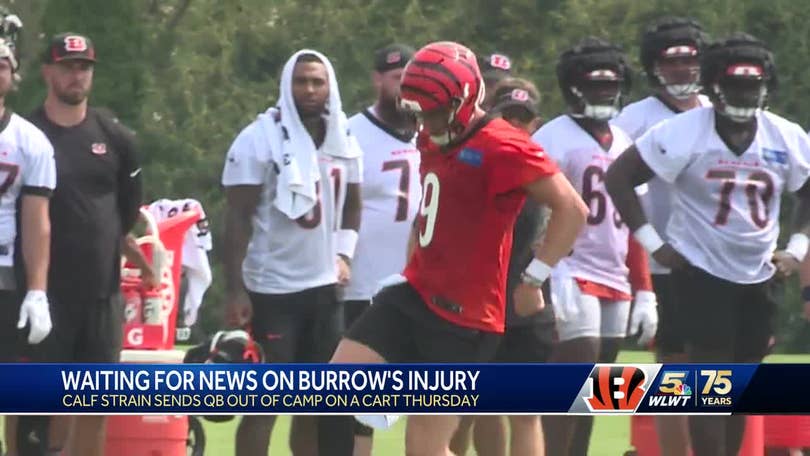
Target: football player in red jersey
(449, 304)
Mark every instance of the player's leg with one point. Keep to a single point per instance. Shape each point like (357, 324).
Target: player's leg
(380, 334)
(318, 339)
(615, 315)
(275, 325)
(363, 435)
(460, 442)
(530, 343)
(758, 311)
(577, 342)
(69, 318)
(489, 435)
(439, 341)
(99, 342)
(709, 339)
(9, 353)
(673, 431)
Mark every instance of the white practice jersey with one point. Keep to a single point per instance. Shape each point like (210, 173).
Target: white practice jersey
(391, 195)
(635, 119)
(285, 255)
(26, 165)
(196, 246)
(600, 251)
(725, 214)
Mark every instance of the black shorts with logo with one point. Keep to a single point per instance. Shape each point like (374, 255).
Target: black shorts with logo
(402, 329)
(85, 330)
(733, 319)
(300, 327)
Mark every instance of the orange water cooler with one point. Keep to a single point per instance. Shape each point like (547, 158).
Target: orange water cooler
(149, 337)
(644, 437)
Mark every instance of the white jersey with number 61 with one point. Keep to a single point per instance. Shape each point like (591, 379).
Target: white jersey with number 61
(725, 215)
(391, 192)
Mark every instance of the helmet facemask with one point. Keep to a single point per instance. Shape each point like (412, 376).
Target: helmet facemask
(741, 91)
(598, 95)
(678, 71)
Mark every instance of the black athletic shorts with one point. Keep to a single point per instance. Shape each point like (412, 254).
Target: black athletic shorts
(300, 327)
(402, 329)
(12, 340)
(526, 344)
(353, 309)
(85, 330)
(736, 320)
(671, 336)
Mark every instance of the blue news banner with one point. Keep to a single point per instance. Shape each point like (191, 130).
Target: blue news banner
(403, 389)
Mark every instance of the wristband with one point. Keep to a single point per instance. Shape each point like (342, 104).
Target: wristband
(797, 246)
(806, 294)
(345, 242)
(648, 238)
(536, 273)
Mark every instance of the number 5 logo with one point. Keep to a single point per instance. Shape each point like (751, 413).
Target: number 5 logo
(671, 382)
(429, 208)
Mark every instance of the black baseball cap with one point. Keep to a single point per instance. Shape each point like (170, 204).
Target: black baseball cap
(70, 46)
(392, 57)
(495, 66)
(517, 97)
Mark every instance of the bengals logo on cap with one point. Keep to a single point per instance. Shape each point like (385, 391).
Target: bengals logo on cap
(75, 43)
(520, 95)
(501, 62)
(393, 57)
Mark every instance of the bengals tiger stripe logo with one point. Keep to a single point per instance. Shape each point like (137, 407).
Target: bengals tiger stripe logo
(616, 388)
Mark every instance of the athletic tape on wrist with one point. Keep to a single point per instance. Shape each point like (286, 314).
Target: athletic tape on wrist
(538, 271)
(648, 238)
(797, 246)
(346, 242)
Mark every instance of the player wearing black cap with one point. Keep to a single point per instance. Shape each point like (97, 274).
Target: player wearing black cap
(391, 191)
(94, 205)
(494, 68)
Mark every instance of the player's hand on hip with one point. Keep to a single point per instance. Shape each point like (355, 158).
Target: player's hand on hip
(528, 300)
(35, 312)
(644, 317)
(786, 264)
(238, 309)
(344, 271)
(669, 257)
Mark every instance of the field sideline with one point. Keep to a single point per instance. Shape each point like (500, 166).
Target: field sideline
(612, 433)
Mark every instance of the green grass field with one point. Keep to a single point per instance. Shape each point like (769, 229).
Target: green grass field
(612, 432)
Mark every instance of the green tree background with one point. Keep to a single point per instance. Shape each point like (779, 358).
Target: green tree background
(187, 75)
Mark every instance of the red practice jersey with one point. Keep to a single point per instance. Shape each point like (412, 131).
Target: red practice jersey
(471, 196)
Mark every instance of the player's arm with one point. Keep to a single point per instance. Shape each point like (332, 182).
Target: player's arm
(644, 316)
(133, 253)
(36, 238)
(38, 182)
(623, 176)
(347, 235)
(243, 177)
(789, 260)
(130, 184)
(568, 214)
(241, 202)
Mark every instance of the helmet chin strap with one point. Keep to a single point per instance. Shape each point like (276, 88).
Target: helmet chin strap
(594, 111)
